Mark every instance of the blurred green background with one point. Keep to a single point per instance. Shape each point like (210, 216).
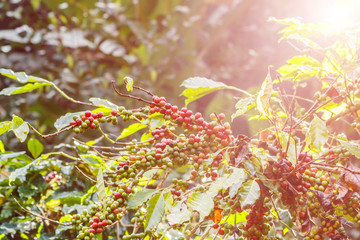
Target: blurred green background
(81, 45)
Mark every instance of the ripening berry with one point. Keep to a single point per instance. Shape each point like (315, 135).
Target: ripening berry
(221, 116)
(100, 115)
(96, 219)
(113, 112)
(99, 230)
(117, 195)
(72, 123)
(87, 113)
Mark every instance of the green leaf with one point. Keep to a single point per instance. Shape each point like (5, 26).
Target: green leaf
(11, 155)
(197, 87)
(317, 135)
(129, 83)
(20, 173)
(242, 106)
(102, 103)
(35, 4)
(35, 147)
(286, 217)
(238, 176)
(65, 120)
(2, 148)
(26, 88)
(249, 193)
(70, 60)
(155, 211)
(304, 60)
(140, 197)
(352, 147)
(202, 203)
(156, 121)
(20, 128)
(70, 198)
(100, 186)
(133, 128)
(94, 161)
(5, 126)
(21, 76)
(179, 214)
(264, 96)
(25, 191)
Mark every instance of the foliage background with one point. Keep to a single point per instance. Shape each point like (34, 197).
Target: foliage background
(82, 45)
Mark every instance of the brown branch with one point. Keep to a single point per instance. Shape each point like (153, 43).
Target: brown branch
(129, 96)
(42, 217)
(85, 174)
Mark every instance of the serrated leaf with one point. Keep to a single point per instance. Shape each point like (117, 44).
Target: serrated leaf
(200, 202)
(140, 197)
(102, 103)
(133, 128)
(352, 147)
(100, 186)
(26, 88)
(20, 128)
(264, 96)
(65, 120)
(35, 147)
(249, 193)
(179, 214)
(129, 83)
(155, 211)
(242, 106)
(5, 126)
(317, 135)
(21, 76)
(197, 87)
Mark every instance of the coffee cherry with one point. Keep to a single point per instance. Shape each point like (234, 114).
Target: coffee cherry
(87, 114)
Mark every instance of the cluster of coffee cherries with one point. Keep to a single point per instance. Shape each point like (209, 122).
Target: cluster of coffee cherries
(178, 187)
(53, 176)
(54, 180)
(258, 219)
(186, 138)
(87, 120)
(112, 209)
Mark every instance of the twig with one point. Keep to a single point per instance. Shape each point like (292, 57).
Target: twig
(117, 231)
(85, 174)
(51, 134)
(141, 89)
(194, 230)
(129, 96)
(42, 217)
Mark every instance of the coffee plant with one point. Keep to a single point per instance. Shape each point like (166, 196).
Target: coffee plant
(172, 173)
